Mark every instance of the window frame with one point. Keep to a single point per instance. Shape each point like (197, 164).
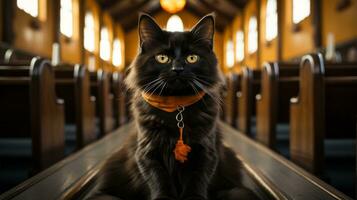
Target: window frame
(249, 39)
(120, 51)
(92, 47)
(269, 14)
(302, 18)
(241, 41)
(104, 43)
(27, 10)
(229, 58)
(177, 27)
(71, 10)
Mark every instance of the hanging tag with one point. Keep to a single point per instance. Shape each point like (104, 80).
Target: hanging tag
(181, 150)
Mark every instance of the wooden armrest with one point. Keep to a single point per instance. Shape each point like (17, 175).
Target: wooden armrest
(276, 173)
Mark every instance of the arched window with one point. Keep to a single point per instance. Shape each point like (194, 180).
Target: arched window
(252, 35)
(174, 24)
(117, 56)
(271, 20)
(89, 32)
(229, 54)
(239, 46)
(29, 6)
(66, 19)
(104, 44)
(301, 10)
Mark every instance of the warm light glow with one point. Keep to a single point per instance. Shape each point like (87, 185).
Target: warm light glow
(29, 6)
(229, 54)
(174, 24)
(252, 35)
(66, 19)
(104, 44)
(301, 10)
(172, 6)
(239, 46)
(117, 55)
(89, 32)
(271, 30)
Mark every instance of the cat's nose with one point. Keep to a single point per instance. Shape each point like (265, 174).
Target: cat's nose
(177, 67)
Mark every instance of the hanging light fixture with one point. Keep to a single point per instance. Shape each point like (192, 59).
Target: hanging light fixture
(172, 6)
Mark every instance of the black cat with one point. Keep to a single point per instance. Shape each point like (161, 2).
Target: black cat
(174, 64)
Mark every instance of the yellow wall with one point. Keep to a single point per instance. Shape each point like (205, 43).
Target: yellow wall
(268, 50)
(296, 43)
(227, 35)
(92, 6)
(189, 20)
(119, 34)
(237, 25)
(251, 9)
(38, 41)
(343, 24)
(71, 47)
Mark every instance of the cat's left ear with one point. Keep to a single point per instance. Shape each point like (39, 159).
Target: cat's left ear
(148, 28)
(204, 29)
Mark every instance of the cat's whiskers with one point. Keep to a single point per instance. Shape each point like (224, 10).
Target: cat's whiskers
(152, 86)
(196, 91)
(157, 87)
(163, 87)
(216, 99)
(203, 81)
(151, 82)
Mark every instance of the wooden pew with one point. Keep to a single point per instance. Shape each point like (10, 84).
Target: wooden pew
(279, 82)
(267, 173)
(3, 48)
(120, 102)
(325, 108)
(100, 88)
(250, 86)
(16, 55)
(30, 109)
(230, 104)
(73, 85)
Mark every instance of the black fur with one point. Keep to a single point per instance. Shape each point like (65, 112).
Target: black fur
(146, 168)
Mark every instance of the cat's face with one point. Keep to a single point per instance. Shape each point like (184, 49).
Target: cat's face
(175, 63)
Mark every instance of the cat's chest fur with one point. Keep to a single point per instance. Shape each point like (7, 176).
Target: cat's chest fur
(158, 133)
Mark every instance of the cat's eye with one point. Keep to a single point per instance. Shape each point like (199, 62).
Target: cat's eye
(162, 58)
(192, 58)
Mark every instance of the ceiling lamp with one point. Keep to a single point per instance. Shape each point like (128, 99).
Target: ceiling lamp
(172, 6)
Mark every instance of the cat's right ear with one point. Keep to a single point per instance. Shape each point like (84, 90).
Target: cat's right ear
(148, 29)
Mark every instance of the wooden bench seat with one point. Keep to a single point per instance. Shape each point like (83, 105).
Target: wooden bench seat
(324, 109)
(269, 174)
(73, 85)
(100, 88)
(250, 87)
(34, 111)
(279, 82)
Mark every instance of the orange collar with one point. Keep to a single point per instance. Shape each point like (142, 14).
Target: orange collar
(170, 103)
